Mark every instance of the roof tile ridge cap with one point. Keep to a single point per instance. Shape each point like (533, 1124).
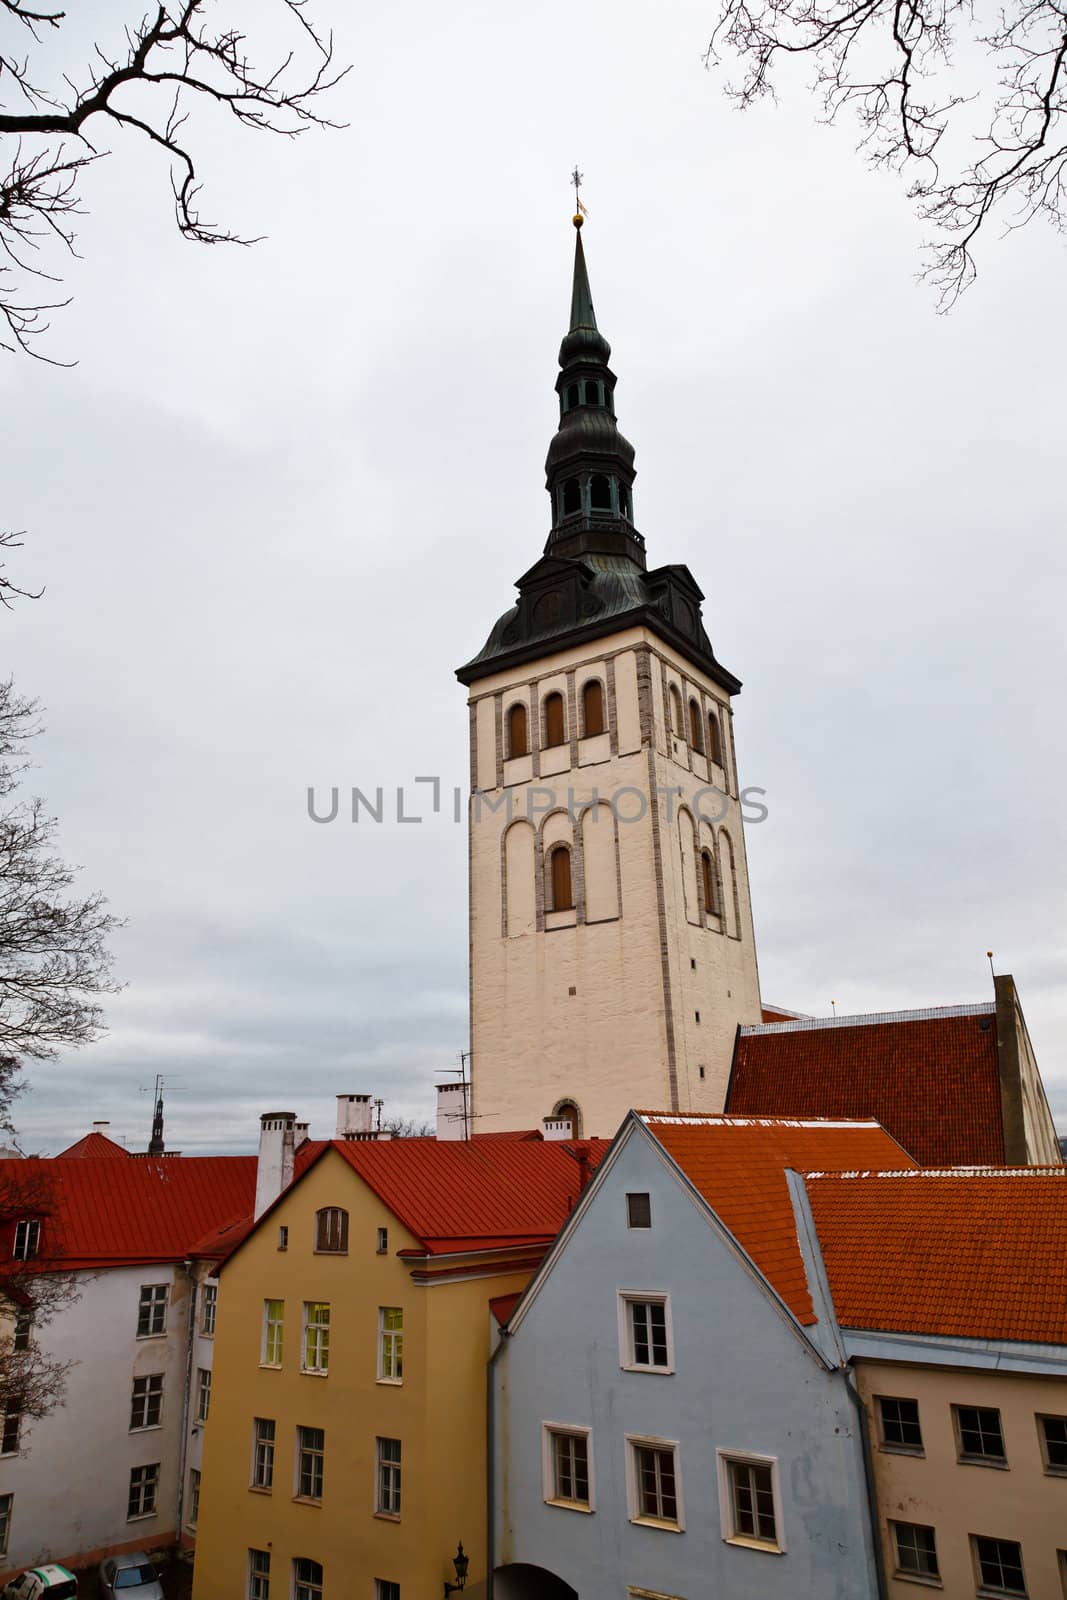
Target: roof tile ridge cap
(859, 1019)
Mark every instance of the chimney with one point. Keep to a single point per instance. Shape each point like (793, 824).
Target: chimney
(558, 1128)
(274, 1170)
(301, 1134)
(453, 1111)
(101, 1127)
(354, 1116)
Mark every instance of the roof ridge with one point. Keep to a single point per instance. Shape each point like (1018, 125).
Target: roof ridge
(982, 1008)
(691, 1119)
(950, 1172)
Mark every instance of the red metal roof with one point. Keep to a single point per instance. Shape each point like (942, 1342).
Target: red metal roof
(980, 1255)
(106, 1213)
(477, 1194)
(930, 1078)
(739, 1164)
(94, 1145)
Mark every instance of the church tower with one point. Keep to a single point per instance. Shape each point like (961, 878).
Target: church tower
(611, 940)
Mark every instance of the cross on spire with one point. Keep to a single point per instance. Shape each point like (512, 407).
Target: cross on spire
(578, 178)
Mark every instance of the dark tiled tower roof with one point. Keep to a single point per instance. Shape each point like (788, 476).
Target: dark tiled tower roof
(593, 578)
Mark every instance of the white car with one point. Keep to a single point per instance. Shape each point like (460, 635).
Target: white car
(42, 1583)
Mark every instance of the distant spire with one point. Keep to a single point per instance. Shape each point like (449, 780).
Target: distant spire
(156, 1146)
(582, 313)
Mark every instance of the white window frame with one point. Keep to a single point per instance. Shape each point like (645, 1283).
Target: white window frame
(152, 1305)
(258, 1581)
(312, 1453)
(385, 1587)
(146, 1378)
(203, 1393)
(392, 1335)
(209, 1310)
(194, 1499)
(730, 1535)
(982, 1588)
(574, 1430)
(627, 1298)
(26, 1245)
(632, 1442)
(264, 1356)
(311, 1589)
(148, 1467)
(7, 1511)
(265, 1445)
(396, 1478)
(320, 1328)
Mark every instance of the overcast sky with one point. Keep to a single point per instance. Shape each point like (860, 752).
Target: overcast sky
(287, 490)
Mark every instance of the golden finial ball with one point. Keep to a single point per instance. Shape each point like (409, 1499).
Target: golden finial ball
(578, 219)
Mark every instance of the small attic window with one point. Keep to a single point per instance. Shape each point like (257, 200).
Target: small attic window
(383, 1241)
(283, 1237)
(638, 1211)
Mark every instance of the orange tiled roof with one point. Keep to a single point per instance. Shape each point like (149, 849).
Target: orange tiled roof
(477, 1194)
(739, 1163)
(979, 1255)
(92, 1145)
(114, 1213)
(929, 1077)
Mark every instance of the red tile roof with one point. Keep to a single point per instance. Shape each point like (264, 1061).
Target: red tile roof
(477, 1194)
(110, 1213)
(930, 1078)
(94, 1145)
(976, 1255)
(739, 1163)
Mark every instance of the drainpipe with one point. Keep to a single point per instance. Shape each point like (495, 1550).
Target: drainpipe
(868, 1476)
(490, 1463)
(183, 1443)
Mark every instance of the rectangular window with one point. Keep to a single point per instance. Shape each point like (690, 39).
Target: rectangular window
(898, 1422)
(310, 1457)
(1000, 1566)
(20, 1339)
(383, 1240)
(146, 1404)
(9, 1433)
(307, 1579)
(638, 1211)
(208, 1309)
(203, 1393)
(316, 1357)
(331, 1230)
(387, 1494)
(916, 1550)
(567, 1467)
(283, 1237)
(27, 1240)
(259, 1575)
(1053, 1431)
(979, 1435)
(152, 1311)
(384, 1590)
(645, 1333)
(273, 1332)
(655, 1483)
(6, 1503)
(144, 1486)
(194, 1498)
(263, 1453)
(390, 1344)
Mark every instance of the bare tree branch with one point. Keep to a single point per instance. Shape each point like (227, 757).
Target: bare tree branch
(178, 58)
(894, 63)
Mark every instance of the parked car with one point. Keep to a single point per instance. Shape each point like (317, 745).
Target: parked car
(42, 1583)
(129, 1577)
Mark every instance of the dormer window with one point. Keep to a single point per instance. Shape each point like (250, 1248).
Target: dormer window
(695, 736)
(27, 1240)
(555, 730)
(572, 496)
(561, 894)
(592, 708)
(518, 742)
(600, 492)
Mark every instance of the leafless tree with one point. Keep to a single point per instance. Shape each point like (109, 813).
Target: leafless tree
(9, 589)
(966, 98)
(165, 62)
(32, 1293)
(407, 1128)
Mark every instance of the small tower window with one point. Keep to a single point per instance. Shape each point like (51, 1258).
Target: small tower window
(592, 708)
(714, 739)
(676, 711)
(624, 500)
(572, 496)
(707, 881)
(600, 493)
(568, 1112)
(518, 743)
(696, 738)
(592, 393)
(572, 396)
(561, 894)
(555, 731)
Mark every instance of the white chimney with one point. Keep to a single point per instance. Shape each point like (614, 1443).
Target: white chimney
(557, 1128)
(354, 1115)
(274, 1170)
(301, 1134)
(453, 1111)
(101, 1127)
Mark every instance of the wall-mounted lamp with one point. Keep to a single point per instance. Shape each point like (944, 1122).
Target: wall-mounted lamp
(461, 1562)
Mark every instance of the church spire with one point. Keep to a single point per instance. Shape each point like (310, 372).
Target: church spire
(589, 471)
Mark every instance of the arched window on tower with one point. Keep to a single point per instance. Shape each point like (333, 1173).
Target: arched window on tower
(518, 741)
(600, 493)
(707, 883)
(592, 393)
(624, 501)
(560, 890)
(696, 737)
(572, 496)
(714, 739)
(555, 728)
(677, 725)
(568, 1112)
(572, 396)
(592, 708)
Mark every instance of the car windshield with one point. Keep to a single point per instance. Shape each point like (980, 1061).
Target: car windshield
(133, 1577)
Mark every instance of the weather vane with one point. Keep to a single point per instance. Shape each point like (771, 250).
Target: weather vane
(580, 211)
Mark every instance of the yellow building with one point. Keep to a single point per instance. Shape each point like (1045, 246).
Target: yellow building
(346, 1449)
